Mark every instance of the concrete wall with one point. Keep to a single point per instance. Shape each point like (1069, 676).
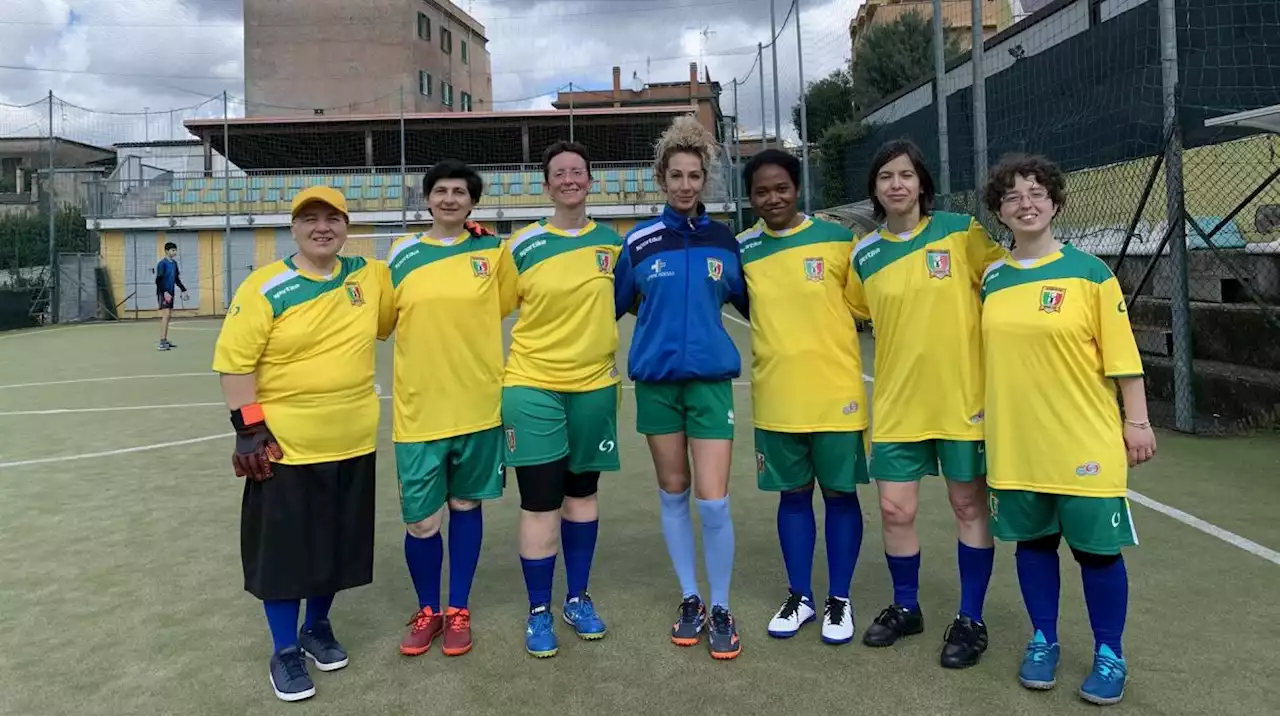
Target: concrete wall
(350, 58)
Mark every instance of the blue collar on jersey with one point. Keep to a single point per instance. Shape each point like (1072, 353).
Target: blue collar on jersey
(676, 221)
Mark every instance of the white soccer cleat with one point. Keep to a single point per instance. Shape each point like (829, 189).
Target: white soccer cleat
(794, 613)
(837, 621)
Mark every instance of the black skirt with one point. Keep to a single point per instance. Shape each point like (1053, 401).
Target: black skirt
(308, 530)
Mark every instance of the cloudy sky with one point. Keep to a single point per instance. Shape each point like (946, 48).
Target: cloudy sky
(124, 68)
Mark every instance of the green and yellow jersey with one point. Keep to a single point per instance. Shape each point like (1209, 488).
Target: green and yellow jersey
(921, 291)
(310, 341)
(1056, 335)
(450, 297)
(566, 336)
(806, 368)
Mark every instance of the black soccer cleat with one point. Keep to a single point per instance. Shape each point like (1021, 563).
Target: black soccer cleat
(963, 643)
(895, 622)
(289, 678)
(319, 644)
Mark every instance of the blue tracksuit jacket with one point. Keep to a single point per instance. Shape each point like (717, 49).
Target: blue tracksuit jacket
(677, 273)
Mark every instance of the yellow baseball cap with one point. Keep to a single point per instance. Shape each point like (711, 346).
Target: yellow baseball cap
(323, 194)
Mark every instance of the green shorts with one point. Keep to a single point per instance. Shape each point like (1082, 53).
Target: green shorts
(960, 460)
(542, 426)
(1099, 525)
(790, 461)
(699, 409)
(466, 467)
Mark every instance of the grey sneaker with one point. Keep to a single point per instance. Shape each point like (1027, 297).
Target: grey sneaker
(319, 644)
(289, 677)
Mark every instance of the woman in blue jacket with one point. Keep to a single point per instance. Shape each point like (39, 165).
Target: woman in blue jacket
(676, 273)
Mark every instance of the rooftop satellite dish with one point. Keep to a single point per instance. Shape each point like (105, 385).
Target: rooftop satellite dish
(637, 84)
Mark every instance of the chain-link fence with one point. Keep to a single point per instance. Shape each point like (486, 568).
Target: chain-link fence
(1189, 219)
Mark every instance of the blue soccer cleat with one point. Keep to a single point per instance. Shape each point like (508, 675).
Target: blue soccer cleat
(580, 613)
(1039, 664)
(1105, 685)
(540, 633)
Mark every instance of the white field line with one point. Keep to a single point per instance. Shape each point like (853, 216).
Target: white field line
(68, 411)
(739, 321)
(121, 451)
(104, 380)
(1208, 528)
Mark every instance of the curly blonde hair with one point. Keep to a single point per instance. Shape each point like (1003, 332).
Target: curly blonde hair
(686, 134)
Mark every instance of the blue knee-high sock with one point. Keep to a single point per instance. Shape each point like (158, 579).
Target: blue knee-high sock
(282, 620)
(466, 534)
(1041, 585)
(844, 541)
(578, 542)
(538, 576)
(317, 609)
(424, 558)
(677, 530)
(975, 575)
(797, 533)
(1106, 593)
(905, 572)
(717, 547)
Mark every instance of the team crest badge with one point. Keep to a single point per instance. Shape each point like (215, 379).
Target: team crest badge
(511, 439)
(480, 266)
(939, 263)
(759, 463)
(1051, 299)
(354, 293)
(604, 261)
(715, 269)
(815, 269)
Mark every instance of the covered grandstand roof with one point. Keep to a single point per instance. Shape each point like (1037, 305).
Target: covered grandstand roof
(260, 143)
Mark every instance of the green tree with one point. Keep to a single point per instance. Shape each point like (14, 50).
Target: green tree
(893, 56)
(833, 149)
(829, 100)
(24, 239)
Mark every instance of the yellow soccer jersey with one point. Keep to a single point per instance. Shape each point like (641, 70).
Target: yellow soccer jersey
(806, 367)
(450, 297)
(310, 341)
(921, 292)
(566, 336)
(1056, 334)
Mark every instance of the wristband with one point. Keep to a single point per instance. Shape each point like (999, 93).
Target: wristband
(247, 416)
(1141, 424)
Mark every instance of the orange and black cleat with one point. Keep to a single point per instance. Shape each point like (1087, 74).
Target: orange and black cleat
(723, 635)
(457, 631)
(687, 631)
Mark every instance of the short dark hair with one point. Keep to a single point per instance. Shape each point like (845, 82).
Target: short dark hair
(1011, 166)
(454, 169)
(563, 147)
(170, 245)
(774, 157)
(888, 152)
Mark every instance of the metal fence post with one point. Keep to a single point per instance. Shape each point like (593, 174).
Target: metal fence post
(1180, 308)
(570, 111)
(804, 114)
(226, 196)
(773, 50)
(764, 132)
(51, 194)
(979, 107)
(735, 159)
(404, 177)
(940, 103)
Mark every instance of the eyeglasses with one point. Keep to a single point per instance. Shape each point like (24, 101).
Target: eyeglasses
(1036, 196)
(574, 173)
